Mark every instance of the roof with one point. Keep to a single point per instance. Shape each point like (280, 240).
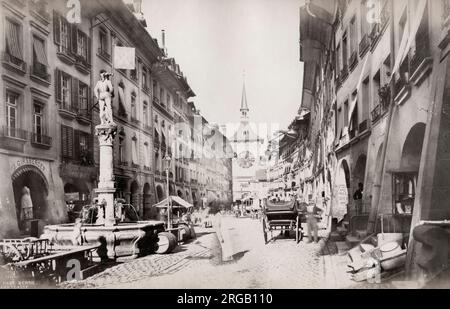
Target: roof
(176, 202)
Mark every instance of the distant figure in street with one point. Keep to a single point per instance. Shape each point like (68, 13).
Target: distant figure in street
(163, 215)
(357, 197)
(312, 217)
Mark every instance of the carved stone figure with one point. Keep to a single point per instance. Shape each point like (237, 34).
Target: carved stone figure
(104, 92)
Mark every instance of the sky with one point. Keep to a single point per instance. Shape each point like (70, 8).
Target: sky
(216, 41)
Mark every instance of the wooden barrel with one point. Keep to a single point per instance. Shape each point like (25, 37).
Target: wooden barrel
(167, 242)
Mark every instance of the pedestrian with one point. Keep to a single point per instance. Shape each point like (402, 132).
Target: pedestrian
(26, 204)
(357, 197)
(312, 217)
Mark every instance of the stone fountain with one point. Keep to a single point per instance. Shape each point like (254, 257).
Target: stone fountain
(119, 240)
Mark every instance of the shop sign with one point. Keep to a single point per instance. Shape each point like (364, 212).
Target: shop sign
(28, 161)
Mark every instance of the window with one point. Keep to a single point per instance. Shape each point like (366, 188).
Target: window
(61, 33)
(82, 45)
(104, 42)
(155, 88)
(14, 42)
(37, 123)
(121, 153)
(144, 79)
(376, 89)
(121, 90)
(161, 96)
(168, 99)
(40, 62)
(67, 139)
(134, 73)
(133, 106)
(365, 99)
(346, 114)
(134, 156)
(83, 97)
(146, 155)
(344, 51)
(145, 113)
(66, 90)
(12, 113)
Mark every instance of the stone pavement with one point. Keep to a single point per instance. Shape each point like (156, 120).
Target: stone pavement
(280, 264)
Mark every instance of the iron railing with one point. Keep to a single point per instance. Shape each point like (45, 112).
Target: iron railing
(41, 139)
(14, 133)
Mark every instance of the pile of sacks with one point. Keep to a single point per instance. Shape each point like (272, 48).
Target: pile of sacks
(369, 263)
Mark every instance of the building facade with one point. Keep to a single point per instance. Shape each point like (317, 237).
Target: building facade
(52, 56)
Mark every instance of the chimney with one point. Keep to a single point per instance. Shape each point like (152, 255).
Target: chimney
(163, 37)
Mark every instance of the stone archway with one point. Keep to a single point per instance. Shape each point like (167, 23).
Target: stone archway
(160, 193)
(32, 178)
(342, 189)
(412, 148)
(147, 200)
(134, 196)
(359, 171)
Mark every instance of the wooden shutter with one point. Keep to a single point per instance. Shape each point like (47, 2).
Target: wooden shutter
(64, 141)
(75, 90)
(58, 86)
(77, 153)
(70, 142)
(73, 39)
(89, 52)
(56, 28)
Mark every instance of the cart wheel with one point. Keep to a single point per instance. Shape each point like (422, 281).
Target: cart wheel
(264, 231)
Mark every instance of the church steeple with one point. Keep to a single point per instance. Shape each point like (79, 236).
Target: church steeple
(244, 104)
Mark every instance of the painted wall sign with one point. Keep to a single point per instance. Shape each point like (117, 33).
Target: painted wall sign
(28, 161)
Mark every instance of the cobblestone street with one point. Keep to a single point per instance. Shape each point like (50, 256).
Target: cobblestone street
(279, 264)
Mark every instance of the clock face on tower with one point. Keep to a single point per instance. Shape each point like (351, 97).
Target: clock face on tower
(246, 159)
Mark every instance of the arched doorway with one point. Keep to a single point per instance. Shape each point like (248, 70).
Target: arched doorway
(134, 196)
(35, 181)
(160, 193)
(342, 190)
(359, 172)
(147, 200)
(405, 179)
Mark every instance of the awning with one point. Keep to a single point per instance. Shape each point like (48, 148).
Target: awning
(39, 52)
(12, 40)
(177, 202)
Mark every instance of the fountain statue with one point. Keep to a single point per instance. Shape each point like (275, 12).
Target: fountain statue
(104, 219)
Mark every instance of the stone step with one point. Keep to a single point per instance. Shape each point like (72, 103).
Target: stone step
(352, 241)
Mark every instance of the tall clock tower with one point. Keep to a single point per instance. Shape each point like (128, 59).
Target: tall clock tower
(248, 148)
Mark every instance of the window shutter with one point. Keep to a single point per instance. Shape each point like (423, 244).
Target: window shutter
(89, 99)
(73, 38)
(70, 142)
(58, 86)
(56, 28)
(75, 90)
(64, 141)
(89, 46)
(77, 153)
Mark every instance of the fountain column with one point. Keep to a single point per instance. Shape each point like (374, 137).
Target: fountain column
(106, 187)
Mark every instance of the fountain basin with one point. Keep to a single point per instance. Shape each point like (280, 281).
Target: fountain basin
(124, 240)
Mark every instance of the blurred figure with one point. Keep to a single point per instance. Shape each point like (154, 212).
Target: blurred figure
(26, 205)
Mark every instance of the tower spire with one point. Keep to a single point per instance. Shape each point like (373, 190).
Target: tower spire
(244, 104)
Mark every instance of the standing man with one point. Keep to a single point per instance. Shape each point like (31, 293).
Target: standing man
(357, 197)
(313, 215)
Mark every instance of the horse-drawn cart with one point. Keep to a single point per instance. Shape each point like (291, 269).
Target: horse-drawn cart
(282, 216)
